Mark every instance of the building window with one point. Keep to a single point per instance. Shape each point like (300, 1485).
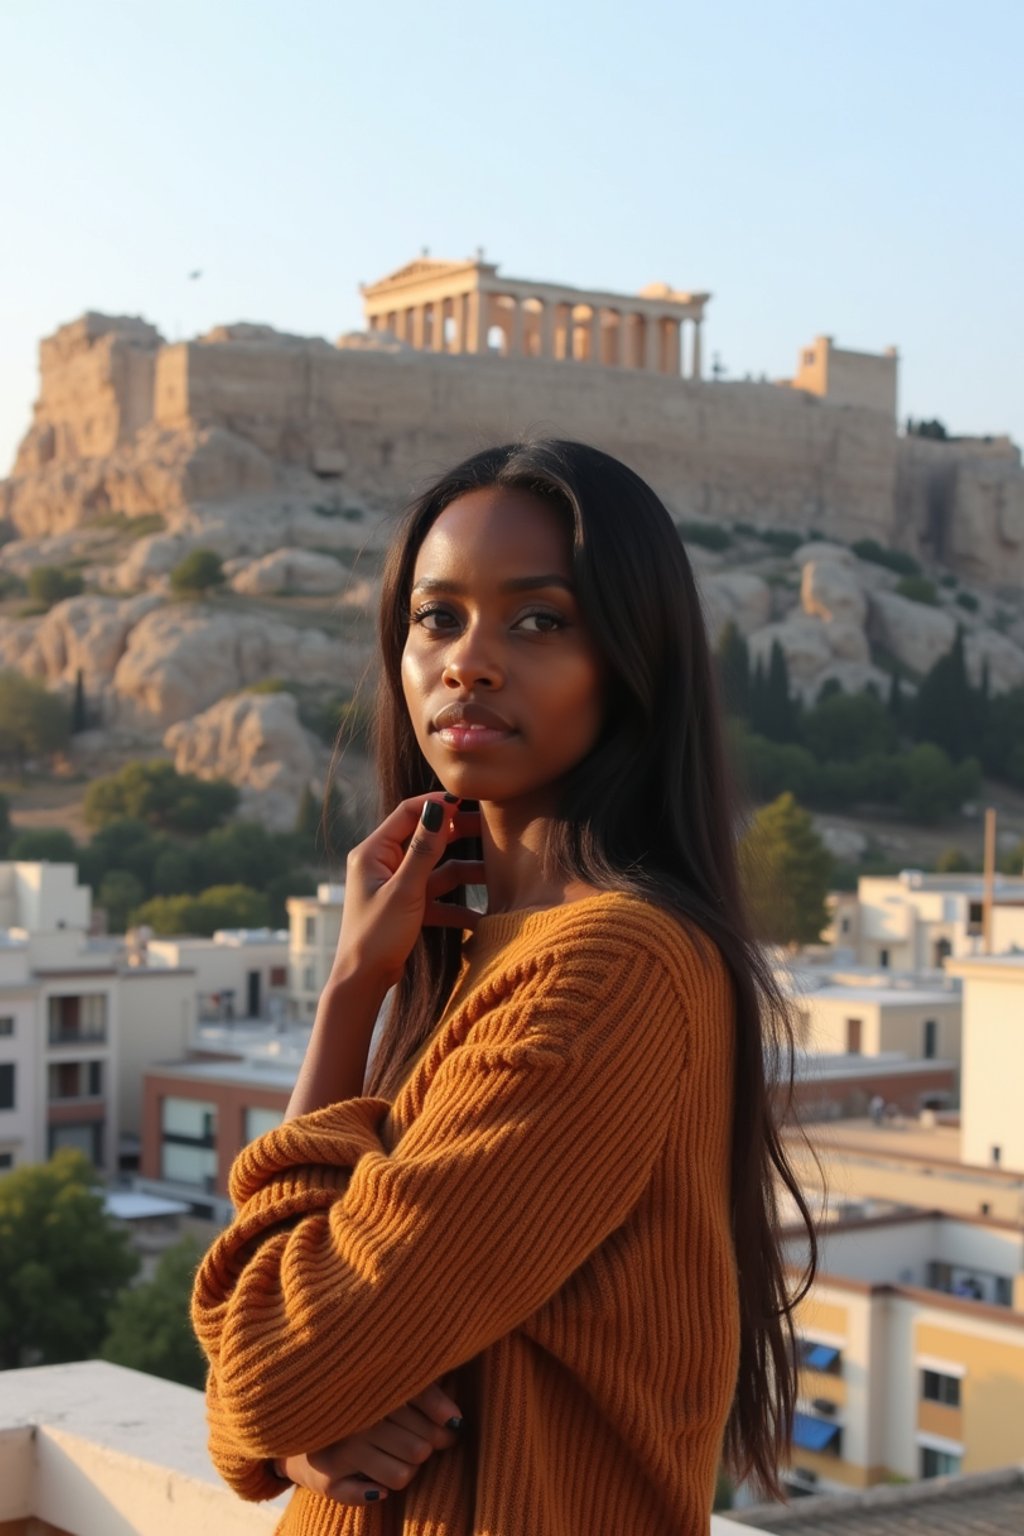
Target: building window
(938, 1388)
(811, 1356)
(6, 1027)
(997, 1155)
(189, 1120)
(883, 959)
(931, 1030)
(7, 1085)
(259, 1120)
(809, 358)
(75, 1019)
(975, 917)
(278, 975)
(86, 1138)
(310, 930)
(854, 1033)
(309, 978)
(6, 1160)
(936, 1463)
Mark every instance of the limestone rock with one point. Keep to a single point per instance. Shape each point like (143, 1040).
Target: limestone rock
(804, 643)
(736, 596)
(1005, 660)
(258, 743)
(829, 590)
(86, 634)
(915, 634)
(291, 570)
(182, 657)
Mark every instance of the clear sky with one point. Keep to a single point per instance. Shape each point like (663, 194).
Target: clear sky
(820, 166)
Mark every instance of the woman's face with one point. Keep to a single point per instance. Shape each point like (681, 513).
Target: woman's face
(501, 679)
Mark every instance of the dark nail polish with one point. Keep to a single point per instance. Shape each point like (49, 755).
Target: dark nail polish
(371, 1494)
(433, 815)
(451, 799)
(454, 1424)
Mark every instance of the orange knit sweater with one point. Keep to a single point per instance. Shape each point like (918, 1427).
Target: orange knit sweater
(546, 1206)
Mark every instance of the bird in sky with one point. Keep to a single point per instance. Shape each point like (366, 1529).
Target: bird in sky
(193, 275)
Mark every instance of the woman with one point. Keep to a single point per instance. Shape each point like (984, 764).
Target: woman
(527, 1282)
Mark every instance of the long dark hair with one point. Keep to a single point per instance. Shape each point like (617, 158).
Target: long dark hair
(651, 811)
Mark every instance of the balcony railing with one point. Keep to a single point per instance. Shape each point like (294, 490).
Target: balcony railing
(73, 1459)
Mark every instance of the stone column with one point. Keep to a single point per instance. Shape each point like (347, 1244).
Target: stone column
(595, 334)
(437, 338)
(419, 327)
(625, 339)
(695, 365)
(652, 349)
(402, 324)
(673, 345)
(515, 333)
(460, 307)
(547, 328)
(479, 320)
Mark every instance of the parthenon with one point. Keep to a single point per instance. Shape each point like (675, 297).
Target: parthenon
(468, 307)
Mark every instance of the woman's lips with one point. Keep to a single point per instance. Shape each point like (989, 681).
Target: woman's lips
(468, 727)
(469, 738)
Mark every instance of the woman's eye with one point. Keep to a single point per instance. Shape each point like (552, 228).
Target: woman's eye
(433, 618)
(541, 623)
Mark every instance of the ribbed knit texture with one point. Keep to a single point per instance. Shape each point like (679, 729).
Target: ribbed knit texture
(546, 1204)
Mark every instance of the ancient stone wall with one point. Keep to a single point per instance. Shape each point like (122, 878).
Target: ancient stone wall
(720, 451)
(96, 389)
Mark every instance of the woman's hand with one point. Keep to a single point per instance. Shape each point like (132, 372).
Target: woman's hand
(393, 884)
(365, 1467)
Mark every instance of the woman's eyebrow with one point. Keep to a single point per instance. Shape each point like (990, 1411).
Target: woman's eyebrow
(514, 584)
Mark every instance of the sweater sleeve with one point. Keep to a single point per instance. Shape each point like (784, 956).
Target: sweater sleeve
(353, 1277)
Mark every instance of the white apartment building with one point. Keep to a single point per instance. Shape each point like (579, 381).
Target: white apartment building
(77, 1025)
(844, 1013)
(992, 1113)
(241, 973)
(915, 922)
(911, 1352)
(314, 923)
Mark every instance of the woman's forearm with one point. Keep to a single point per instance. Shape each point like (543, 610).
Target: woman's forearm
(335, 1062)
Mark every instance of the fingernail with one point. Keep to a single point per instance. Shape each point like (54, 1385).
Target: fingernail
(454, 1423)
(452, 799)
(371, 1494)
(432, 815)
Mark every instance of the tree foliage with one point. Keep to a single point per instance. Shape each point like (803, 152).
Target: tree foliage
(51, 584)
(156, 794)
(64, 1262)
(222, 906)
(33, 722)
(44, 843)
(786, 869)
(149, 1325)
(200, 571)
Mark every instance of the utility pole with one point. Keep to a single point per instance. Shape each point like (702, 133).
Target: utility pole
(990, 876)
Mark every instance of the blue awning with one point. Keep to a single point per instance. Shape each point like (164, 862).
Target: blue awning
(820, 1358)
(810, 1434)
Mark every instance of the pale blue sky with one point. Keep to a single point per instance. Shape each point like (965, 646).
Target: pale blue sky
(852, 169)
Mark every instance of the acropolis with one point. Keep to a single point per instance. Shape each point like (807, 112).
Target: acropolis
(455, 355)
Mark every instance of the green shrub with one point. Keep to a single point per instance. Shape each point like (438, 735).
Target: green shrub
(785, 540)
(707, 535)
(200, 571)
(893, 559)
(51, 584)
(918, 589)
(968, 601)
(947, 579)
(33, 722)
(156, 794)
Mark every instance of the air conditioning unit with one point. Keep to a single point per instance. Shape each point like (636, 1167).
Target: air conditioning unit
(824, 1406)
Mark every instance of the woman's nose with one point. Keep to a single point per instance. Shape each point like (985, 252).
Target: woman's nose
(470, 665)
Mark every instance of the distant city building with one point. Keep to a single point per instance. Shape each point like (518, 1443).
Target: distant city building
(915, 922)
(77, 1024)
(993, 1065)
(241, 973)
(314, 924)
(911, 1351)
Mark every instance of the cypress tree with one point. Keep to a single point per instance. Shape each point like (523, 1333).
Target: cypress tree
(734, 670)
(79, 709)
